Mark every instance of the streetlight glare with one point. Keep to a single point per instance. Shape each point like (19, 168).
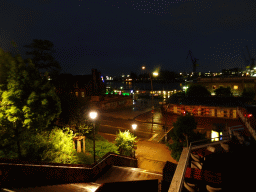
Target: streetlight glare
(143, 67)
(134, 126)
(93, 115)
(155, 73)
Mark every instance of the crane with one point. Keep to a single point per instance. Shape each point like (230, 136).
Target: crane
(194, 61)
(251, 59)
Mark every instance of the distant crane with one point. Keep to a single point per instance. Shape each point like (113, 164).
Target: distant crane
(194, 61)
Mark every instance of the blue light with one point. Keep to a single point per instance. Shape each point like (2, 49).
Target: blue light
(102, 78)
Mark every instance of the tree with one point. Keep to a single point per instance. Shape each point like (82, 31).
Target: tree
(248, 93)
(197, 90)
(177, 97)
(42, 51)
(182, 134)
(223, 92)
(28, 102)
(133, 76)
(168, 76)
(125, 141)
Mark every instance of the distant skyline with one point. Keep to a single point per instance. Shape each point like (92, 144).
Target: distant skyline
(118, 37)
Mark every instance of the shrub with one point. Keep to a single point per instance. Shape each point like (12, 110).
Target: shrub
(54, 146)
(125, 141)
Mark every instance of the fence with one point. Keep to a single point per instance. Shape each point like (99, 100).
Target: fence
(179, 175)
(250, 123)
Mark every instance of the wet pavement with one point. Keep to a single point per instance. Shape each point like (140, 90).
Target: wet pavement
(71, 187)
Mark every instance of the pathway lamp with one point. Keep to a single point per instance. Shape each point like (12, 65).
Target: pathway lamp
(93, 116)
(134, 126)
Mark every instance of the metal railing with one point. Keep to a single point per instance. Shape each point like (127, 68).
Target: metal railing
(194, 145)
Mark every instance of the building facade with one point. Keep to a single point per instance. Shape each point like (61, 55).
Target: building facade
(237, 84)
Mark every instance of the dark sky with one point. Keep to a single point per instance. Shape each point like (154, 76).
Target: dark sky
(118, 37)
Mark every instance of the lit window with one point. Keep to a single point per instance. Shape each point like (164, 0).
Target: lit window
(77, 94)
(235, 86)
(82, 94)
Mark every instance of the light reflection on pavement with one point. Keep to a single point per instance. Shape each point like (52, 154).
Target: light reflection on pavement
(72, 187)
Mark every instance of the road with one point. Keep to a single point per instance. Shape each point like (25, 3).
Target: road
(140, 113)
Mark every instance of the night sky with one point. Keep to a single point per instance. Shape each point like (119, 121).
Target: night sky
(118, 37)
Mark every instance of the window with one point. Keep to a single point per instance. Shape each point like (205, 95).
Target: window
(235, 86)
(82, 94)
(214, 87)
(77, 94)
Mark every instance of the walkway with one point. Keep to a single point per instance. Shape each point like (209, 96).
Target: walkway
(151, 156)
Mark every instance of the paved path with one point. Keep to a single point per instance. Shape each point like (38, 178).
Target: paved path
(151, 155)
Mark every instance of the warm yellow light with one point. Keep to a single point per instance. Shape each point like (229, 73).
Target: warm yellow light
(93, 114)
(143, 67)
(155, 73)
(215, 134)
(134, 126)
(235, 86)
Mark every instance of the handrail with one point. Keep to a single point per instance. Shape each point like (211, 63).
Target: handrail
(180, 187)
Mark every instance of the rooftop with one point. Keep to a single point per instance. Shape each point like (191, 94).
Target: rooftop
(212, 101)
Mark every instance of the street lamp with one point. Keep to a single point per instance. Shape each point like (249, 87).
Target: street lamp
(134, 126)
(150, 76)
(93, 116)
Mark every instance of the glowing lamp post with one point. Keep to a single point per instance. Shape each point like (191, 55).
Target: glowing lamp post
(93, 116)
(134, 126)
(152, 97)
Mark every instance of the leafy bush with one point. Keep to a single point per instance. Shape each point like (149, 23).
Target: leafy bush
(176, 149)
(125, 141)
(183, 133)
(55, 146)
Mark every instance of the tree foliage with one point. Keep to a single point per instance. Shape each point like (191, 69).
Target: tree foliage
(223, 92)
(182, 134)
(177, 97)
(42, 52)
(28, 101)
(168, 76)
(197, 90)
(125, 141)
(248, 93)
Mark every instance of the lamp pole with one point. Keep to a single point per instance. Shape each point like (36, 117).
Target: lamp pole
(134, 126)
(93, 116)
(152, 97)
